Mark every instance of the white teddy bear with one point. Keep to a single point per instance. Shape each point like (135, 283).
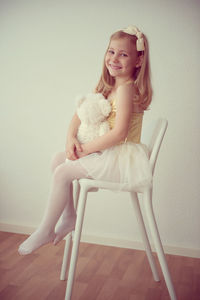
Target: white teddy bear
(92, 110)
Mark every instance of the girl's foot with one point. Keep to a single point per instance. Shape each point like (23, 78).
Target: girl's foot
(64, 228)
(35, 241)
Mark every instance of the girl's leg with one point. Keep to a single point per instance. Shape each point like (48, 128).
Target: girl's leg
(60, 194)
(68, 219)
(57, 160)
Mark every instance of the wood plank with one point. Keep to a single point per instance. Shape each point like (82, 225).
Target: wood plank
(103, 273)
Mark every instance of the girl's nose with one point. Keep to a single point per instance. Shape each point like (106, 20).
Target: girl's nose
(115, 58)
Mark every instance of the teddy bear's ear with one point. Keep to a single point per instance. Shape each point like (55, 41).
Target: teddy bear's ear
(79, 100)
(105, 107)
(102, 96)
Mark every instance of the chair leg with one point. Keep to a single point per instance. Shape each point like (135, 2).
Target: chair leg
(145, 239)
(76, 242)
(157, 242)
(66, 256)
(76, 191)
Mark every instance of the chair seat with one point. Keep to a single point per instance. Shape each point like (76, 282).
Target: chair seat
(100, 184)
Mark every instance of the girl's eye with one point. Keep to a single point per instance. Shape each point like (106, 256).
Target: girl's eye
(111, 51)
(124, 54)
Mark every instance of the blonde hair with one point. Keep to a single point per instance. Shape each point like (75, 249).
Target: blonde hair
(141, 74)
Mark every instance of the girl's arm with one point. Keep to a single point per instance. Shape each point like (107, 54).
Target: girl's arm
(72, 144)
(124, 106)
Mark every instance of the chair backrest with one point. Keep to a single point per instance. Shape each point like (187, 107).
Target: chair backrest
(156, 141)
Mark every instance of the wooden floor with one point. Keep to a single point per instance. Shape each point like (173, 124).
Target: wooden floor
(103, 273)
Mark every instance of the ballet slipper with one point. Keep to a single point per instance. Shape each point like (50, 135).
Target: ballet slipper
(64, 229)
(35, 241)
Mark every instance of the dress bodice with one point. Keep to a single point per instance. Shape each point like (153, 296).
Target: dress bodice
(135, 126)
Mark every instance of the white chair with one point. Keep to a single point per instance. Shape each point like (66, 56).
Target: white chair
(83, 186)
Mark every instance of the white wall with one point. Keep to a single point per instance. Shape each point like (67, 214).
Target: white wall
(50, 51)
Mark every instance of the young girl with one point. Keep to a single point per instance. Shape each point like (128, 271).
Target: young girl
(118, 155)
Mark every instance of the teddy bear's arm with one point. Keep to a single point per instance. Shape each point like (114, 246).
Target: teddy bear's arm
(104, 128)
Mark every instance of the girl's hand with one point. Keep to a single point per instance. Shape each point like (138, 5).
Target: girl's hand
(81, 153)
(73, 146)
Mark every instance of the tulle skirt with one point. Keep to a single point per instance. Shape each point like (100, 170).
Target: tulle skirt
(127, 164)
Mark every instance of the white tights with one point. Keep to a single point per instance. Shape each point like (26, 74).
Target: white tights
(60, 202)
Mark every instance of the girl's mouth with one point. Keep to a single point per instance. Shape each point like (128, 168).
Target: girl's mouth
(114, 67)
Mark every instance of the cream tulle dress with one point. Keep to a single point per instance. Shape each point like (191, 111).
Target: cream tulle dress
(126, 163)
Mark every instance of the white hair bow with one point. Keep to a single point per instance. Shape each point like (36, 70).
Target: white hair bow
(133, 30)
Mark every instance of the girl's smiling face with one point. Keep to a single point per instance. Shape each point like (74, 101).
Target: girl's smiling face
(121, 58)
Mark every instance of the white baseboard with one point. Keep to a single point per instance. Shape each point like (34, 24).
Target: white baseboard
(109, 241)
(130, 244)
(16, 228)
